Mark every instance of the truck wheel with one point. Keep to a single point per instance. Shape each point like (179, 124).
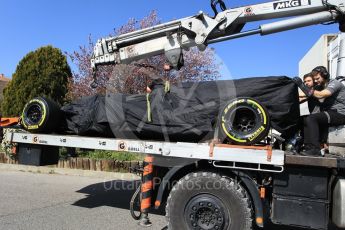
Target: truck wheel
(244, 121)
(205, 200)
(40, 115)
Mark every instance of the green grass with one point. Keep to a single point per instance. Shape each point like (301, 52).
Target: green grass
(107, 155)
(111, 155)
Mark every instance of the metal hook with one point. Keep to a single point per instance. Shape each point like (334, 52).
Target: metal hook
(214, 4)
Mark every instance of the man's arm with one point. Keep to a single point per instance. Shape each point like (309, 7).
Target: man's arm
(333, 87)
(322, 94)
(302, 97)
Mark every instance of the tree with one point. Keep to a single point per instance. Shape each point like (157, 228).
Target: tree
(44, 72)
(134, 77)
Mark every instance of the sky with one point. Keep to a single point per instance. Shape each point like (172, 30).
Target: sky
(66, 24)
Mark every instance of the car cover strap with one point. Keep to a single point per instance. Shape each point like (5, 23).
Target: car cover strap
(167, 87)
(148, 105)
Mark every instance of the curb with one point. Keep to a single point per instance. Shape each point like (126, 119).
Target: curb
(69, 172)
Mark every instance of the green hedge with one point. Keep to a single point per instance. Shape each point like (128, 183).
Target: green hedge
(44, 72)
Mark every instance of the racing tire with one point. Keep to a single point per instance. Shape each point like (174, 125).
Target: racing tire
(244, 121)
(41, 115)
(206, 200)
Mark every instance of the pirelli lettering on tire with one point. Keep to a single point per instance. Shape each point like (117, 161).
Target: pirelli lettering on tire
(32, 127)
(244, 121)
(257, 133)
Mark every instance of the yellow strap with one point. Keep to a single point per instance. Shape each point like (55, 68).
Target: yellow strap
(167, 87)
(148, 104)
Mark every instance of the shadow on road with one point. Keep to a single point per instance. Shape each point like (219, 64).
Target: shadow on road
(116, 193)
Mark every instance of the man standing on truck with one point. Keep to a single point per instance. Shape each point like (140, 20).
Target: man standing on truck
(332, 110)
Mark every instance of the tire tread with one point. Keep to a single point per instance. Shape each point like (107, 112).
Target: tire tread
(240, 191)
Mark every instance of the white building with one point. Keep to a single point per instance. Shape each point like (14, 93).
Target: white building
(325, 52)
(318, 55)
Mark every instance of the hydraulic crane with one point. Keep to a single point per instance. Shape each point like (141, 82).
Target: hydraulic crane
(172, 38)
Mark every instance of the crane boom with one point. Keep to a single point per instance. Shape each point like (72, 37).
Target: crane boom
(173, 37)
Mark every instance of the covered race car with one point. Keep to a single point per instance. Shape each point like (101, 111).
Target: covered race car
(237, 111)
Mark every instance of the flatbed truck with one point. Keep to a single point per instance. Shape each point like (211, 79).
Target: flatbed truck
(213, 185)
(248, 185)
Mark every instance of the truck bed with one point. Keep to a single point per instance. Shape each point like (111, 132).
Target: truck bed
(261, 158)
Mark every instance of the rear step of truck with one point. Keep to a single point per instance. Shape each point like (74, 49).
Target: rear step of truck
(329, 161)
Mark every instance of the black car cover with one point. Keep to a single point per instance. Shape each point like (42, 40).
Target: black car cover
(186, 112)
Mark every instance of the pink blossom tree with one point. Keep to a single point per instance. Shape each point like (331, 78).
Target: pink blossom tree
(133, 78)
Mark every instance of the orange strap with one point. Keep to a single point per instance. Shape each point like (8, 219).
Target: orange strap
(145, 203)
(269, 153)
(147, 186)
(211, 149)
(6, 121)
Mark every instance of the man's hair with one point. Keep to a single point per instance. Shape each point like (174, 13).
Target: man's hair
(307, 75)
(322, 71)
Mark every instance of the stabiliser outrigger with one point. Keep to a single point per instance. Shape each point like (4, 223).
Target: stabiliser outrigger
(233, 186)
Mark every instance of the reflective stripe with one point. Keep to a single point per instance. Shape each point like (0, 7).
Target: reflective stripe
(328, 117)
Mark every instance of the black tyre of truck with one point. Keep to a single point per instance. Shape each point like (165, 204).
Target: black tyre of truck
(244, 121)
(40, 115)
(206, 200)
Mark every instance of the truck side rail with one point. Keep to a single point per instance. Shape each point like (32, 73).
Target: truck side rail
(261, 158)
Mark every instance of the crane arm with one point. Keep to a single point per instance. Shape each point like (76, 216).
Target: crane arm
(173, 37)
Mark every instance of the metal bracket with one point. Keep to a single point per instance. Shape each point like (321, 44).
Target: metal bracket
(214, 4)
(251, 167)
(175, 57)
(203, 25)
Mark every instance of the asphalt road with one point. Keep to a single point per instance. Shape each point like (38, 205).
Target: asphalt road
(50, 201)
